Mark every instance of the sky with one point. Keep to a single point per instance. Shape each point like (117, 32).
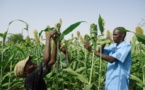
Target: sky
(40, 13)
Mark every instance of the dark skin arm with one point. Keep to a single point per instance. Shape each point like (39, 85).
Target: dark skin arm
(54, 54)
(98, 53)
(47, 57)
(47, 52)
(105, 57)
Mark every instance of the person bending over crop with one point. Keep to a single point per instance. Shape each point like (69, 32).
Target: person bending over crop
(118, 56)
(34, 74)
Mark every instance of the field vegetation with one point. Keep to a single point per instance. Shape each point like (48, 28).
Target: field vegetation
(81, 70)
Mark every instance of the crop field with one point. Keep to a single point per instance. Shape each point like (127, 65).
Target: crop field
(81, 70)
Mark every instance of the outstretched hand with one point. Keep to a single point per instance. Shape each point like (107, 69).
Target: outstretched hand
(63, 49)
(52, 33)
(88, 46)
(56, 36)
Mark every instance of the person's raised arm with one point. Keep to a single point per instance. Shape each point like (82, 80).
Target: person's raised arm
(54, 54)
(47, 51)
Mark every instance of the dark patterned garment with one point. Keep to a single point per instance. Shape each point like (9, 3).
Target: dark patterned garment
(35, 79)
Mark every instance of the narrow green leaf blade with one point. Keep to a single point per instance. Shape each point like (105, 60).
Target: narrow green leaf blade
(17, 36)
(82, 78)
(140, 38)
(101, 26)
(4, 36)
(47, 29)
(1, 35)
(70, 71)
(5, 49)
(80, 69)
(20, 49)
(26, 28)
(138, 81)
(125, 30)
(7, 62)
(70, 29)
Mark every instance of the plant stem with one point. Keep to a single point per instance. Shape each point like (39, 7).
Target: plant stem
(100, 69)
(92, 65)
(1, 66)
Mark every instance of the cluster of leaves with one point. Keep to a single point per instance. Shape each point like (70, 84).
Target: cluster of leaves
(81, 70)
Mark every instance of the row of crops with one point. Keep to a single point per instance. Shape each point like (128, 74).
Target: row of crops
(79, 70)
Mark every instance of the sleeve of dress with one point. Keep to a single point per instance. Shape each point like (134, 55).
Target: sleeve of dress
(108, 49)
(121, 53)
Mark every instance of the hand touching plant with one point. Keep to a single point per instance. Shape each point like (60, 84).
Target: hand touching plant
(88, 46)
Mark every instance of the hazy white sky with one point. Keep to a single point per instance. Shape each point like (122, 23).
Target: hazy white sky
(40, 13)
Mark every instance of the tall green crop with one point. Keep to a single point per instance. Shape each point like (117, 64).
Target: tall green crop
(93, 35)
